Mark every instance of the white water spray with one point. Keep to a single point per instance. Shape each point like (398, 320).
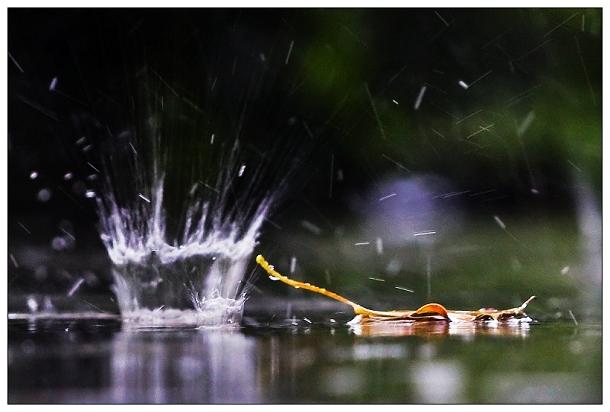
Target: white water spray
(196, 279)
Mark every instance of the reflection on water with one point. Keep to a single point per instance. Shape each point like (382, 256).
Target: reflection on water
(465, 329)
(101, 361)
(216, 367)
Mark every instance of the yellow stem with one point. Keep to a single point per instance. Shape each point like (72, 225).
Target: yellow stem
(359, 310)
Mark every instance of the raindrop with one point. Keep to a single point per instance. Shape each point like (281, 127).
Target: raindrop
(32, 304)
(44, 195)
(59, 243)
(53, 84)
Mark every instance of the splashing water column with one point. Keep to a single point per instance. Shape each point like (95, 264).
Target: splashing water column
(196, 281)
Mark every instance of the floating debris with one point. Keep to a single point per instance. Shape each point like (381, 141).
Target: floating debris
(242, 169)
(306, 320)
(394, 101)
(428, 312)
(89, 194)
(565, 270)
(212, 138)
(463, 84)
(377, 279)
(362, 243)
(144, 198)
(68, 176)
(405, 289)
(33, 175)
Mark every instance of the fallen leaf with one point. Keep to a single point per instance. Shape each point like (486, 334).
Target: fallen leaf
(427, 313)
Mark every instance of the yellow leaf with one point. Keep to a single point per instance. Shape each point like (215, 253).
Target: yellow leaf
(428, 312)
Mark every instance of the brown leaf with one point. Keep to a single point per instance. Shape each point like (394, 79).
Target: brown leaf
(430, 312)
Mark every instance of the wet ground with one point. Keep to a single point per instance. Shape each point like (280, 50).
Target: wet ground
(295, 361)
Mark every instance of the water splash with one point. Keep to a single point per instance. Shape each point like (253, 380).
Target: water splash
(198, 278)
(180, 212)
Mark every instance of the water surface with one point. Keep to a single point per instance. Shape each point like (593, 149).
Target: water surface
(294, 361)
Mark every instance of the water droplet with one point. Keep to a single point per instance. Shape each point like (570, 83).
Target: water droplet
(59, 243)
(53, 84)
(44, 195)
(32, 304)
